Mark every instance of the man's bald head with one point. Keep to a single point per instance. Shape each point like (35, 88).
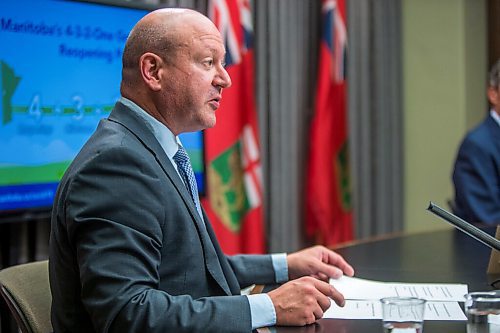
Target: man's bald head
(173, 68)
(161, 32)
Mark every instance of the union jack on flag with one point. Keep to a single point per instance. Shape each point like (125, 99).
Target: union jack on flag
(335, 36)
(237, 32)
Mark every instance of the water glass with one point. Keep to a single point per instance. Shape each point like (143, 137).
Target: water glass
(483, 311)
(403, 314)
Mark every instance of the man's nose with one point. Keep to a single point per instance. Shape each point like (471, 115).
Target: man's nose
(222, 79)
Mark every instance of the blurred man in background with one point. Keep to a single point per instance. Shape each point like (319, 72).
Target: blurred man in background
(477, 168)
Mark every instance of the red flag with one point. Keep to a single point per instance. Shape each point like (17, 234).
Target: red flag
(234, 187)
(328, 205)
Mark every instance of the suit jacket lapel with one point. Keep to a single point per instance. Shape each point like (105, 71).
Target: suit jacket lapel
(121, 114)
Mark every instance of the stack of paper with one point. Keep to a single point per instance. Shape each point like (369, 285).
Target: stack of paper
(363, 298)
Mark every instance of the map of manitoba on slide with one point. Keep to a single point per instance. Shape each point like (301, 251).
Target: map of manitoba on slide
(36, 137)
(60, 71)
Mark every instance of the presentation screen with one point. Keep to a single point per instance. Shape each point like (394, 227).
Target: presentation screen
(60, 69)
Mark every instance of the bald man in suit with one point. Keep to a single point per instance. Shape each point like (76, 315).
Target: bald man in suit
(131, 249)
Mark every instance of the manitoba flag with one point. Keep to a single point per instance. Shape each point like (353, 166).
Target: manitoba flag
(234, 175)
(328, 205)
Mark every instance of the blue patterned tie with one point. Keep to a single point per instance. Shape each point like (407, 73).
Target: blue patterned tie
(181, 158)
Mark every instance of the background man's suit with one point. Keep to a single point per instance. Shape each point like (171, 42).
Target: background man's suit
(477, 174)
(140, 242)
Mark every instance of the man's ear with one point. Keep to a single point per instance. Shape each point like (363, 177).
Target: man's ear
(494, 96)
(151, 67)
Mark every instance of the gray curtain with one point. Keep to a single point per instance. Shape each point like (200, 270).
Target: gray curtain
(286, 34)
(376, 117)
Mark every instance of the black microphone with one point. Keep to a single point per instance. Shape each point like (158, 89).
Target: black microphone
(465, 227)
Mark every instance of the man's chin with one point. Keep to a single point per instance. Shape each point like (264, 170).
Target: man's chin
(209, 122)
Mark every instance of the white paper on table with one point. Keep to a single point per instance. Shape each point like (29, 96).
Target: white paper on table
(372, 309)
(355, 288)
(494, 319)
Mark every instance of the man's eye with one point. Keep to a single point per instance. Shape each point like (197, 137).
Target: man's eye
(209, 62)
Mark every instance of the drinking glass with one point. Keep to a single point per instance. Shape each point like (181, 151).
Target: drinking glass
(403, 314)
(482, 309)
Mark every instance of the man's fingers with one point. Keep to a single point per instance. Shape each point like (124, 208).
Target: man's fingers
(338, 297)
(323, 287)
(303, 301)
(328, 290)
(325, 292)
(337, 260)
(323, 277)
(324, 302)
(318, 313)
(330, 271)
(347, 269)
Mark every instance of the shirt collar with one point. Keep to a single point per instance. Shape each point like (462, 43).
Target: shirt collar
(168, 141)
(495, 116)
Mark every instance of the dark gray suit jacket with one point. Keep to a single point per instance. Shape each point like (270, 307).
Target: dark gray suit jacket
(128, 251)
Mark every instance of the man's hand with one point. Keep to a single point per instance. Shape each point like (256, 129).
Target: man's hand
(303, 301)
(318, 262)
